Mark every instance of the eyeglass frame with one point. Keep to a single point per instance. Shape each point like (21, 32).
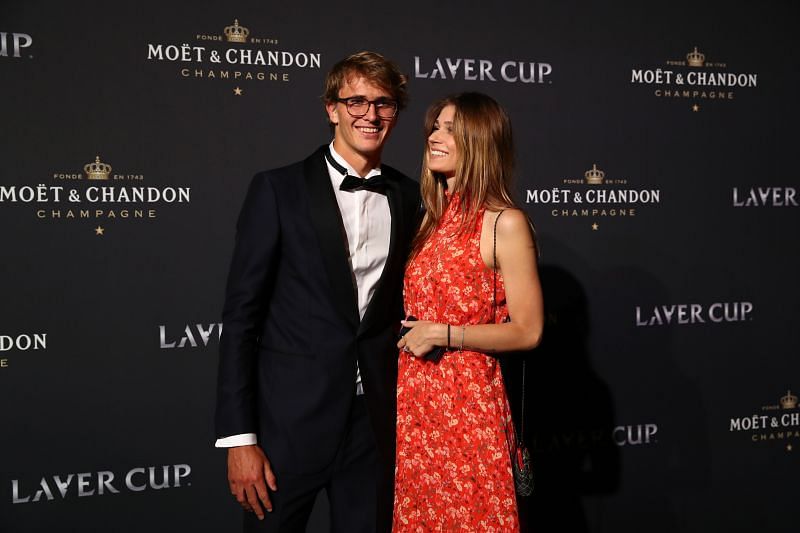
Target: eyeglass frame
(373, 103)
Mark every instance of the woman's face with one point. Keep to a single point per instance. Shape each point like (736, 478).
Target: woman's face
(442, 152)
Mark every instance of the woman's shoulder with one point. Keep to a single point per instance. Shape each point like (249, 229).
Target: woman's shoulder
(508, 220)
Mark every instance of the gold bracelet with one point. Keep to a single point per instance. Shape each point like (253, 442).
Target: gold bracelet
(463, 329)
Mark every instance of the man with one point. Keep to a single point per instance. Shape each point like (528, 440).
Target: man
(308, 364)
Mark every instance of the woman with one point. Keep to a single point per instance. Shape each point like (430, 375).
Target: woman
(454, 429)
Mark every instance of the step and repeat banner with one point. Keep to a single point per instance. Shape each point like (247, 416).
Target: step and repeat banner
(656, 156)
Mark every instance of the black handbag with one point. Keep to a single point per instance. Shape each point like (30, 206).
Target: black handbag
(520, 456)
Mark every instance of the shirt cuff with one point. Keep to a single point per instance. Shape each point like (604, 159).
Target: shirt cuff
(244, 439)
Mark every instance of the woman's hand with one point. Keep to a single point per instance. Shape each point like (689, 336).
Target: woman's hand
(422, 337)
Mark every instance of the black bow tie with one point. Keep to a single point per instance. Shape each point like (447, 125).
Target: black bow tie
(353, 183)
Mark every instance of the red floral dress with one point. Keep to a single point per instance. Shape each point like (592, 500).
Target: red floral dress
(454, 425)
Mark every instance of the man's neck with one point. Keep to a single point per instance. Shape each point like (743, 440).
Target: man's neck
(361, 163)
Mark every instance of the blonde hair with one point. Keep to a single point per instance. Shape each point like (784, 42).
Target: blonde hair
(482, 133)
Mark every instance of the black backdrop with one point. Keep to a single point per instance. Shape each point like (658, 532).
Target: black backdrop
(663, 396)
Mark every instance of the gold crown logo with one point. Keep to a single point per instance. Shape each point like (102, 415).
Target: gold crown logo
(97, 170)
(236, 33)
(789, 401)
(594, 176)
(695, 58)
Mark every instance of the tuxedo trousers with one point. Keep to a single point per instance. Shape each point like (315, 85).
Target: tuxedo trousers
(350, 483)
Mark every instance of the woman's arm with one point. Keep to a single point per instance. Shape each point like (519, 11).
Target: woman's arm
(516, 260)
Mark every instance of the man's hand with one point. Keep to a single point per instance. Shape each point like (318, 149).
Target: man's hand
(249, 475)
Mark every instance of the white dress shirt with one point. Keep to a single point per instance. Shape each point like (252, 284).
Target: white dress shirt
(367, 223)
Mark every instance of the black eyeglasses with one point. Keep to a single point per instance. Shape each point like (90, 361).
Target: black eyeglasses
(358, 106)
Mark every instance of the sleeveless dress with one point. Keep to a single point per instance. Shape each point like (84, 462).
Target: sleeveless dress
(454, 430)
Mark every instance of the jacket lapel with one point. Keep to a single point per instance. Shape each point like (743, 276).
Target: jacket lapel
(328, 225)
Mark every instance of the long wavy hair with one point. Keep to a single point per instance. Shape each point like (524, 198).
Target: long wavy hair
(482, 132)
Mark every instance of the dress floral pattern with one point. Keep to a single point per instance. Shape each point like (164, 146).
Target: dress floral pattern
(454, 425)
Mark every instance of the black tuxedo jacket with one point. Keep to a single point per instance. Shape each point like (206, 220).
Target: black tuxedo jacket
(291, 328)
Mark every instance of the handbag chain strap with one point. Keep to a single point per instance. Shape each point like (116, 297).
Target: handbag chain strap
(494, 320)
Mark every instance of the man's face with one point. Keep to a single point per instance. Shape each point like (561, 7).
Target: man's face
(360, 136)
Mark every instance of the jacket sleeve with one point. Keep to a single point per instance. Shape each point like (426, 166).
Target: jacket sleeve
(246, 297)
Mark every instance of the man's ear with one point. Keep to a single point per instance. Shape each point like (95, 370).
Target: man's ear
(333, 113)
